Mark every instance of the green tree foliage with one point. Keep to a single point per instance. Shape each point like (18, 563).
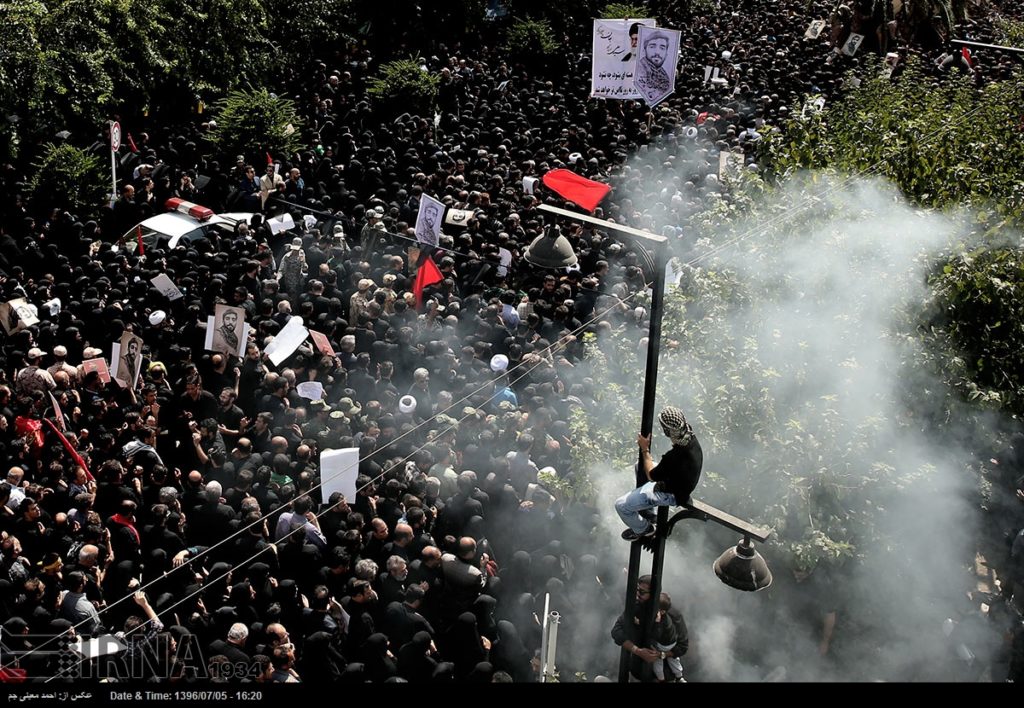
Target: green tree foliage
(253, 122)
(22, 63)
(1011, 32)
(944, 144)
(309, 28)
(979, 298)
(947, 146)
(620, 10)
(73, 63)
(529, 39)
(68, 178)
(225, 44)
(404, 86)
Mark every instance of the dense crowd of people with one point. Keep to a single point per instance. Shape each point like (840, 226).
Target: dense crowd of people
(185, 511)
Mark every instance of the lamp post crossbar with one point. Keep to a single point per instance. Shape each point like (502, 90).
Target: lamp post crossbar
(697, 509)
(638, 233)
(1018, 52)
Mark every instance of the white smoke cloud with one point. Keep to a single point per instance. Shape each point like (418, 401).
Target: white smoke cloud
(828, 309)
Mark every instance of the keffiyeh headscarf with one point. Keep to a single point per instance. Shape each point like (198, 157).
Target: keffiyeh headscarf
(673, 422)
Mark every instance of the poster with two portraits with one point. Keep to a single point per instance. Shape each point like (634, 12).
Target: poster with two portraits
(227, 332)
(633, 59)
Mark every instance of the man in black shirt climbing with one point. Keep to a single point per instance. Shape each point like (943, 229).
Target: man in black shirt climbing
(670, 482)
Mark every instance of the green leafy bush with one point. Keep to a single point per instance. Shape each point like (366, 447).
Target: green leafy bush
(621, 10)
(980, 301)
(68, 178)
(403, 85)
(312, 27)
(944, 144)
(528, 39)
(1011, 32)
(253, 122)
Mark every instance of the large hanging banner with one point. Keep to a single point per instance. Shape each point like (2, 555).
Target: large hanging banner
(655, 76)
(614, 58)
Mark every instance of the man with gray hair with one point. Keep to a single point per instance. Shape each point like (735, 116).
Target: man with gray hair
(365, 569)
(670, 482)
(234, 647)
(214, 490)
(14, 478)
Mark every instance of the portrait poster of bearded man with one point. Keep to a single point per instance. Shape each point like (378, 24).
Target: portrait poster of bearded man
(655, 75)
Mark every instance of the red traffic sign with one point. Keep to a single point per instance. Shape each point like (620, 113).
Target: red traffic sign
(115, 136)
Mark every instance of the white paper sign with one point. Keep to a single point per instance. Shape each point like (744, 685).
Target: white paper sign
(339, 470)
(284, 222)
(655, 75)
(58, 414)
(208, 342)
(18, 314)
(311, 390)
(287, 341)
(244, 342)
(673, 272)
(166, 286)
(505, 260)
(730, 164)
(458, 217)
(428, 220)
(815, 29)
(614, 58)
(852, 44)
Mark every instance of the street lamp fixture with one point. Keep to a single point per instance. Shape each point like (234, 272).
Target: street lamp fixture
(551, 250)
(743, 568)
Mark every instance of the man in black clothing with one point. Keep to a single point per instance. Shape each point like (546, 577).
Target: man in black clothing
(628, 634)
(402, 618)
(196, 403)
(233, 648)
(670, 482)
(426, 572)
(394, 582)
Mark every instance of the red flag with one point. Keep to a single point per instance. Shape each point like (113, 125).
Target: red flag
(428, 274)
(585, 192)
(966, 54)
(70, 448)
(138, 236)
(270, 160)
(11, 674)
(131, 143)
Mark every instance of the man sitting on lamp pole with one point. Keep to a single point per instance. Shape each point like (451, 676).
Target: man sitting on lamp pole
(670, 482)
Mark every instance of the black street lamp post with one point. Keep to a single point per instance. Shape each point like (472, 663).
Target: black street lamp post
(740, 567)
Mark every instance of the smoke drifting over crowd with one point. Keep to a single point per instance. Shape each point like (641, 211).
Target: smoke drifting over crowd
(804, 389)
